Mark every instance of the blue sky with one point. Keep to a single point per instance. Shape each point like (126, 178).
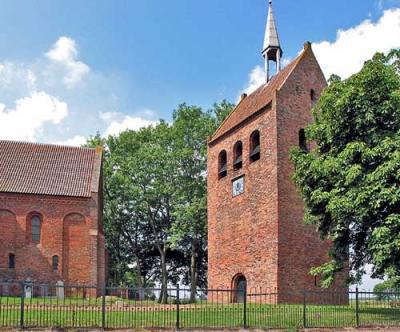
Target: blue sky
(71, 68)
(132, 62)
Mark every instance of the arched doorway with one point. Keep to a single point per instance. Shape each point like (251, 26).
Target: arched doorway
(239, 287)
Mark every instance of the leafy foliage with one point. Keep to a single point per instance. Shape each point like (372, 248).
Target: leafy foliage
(155, 203)
(387, 290)
(350, 179)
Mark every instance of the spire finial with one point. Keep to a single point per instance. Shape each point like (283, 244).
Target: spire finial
(272, 50)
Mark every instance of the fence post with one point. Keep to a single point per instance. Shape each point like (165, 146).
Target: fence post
(357, 310)
(245, 306)
(103, 307)
(22, 308)
(305, 309)
(177, 308)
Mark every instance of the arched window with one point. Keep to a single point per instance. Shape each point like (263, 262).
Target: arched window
(255, 146)
(303, 140)
(238, 156)
(222, 164)
(313, 97)
(35, 228)
(55, 263)
(11, 261)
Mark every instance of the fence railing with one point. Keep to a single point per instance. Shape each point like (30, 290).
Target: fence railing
(28, 305)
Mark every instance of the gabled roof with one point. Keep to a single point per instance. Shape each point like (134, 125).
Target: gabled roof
(257, 100)
(31, 168)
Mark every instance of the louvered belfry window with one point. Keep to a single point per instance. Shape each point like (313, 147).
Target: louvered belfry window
(238, 156)
(222, 164)
(255, 152)
(303, 140)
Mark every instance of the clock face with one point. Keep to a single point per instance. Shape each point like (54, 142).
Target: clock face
(238, 186)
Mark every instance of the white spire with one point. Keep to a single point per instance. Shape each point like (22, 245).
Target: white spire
(271, 34)
(272, 50)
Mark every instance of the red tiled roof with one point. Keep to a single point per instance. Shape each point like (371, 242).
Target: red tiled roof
(45, 169)
(256, 101)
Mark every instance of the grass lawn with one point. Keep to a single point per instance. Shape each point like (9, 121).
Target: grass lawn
(88, 313)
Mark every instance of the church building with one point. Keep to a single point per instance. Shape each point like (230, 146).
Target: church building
(256, 235)
(51, 214)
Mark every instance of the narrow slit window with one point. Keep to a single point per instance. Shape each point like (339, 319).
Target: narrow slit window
(35, 228)
(11, 261)
(238, 156)
(222, 164)
(303, 140)
(255, 146)
(55, 263)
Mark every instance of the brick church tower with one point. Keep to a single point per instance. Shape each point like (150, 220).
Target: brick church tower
(256, 234)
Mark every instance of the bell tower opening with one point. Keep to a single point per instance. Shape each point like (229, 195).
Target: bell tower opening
(272, 50)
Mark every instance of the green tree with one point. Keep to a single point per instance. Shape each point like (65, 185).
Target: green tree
(350, 179)
(220, 111)
(191, 128)
(155, 199)
(124, 228)
(387, 290)
(147, 159)
(117, 251)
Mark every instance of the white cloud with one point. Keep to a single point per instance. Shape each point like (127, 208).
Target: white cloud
(74, 141)
(30, 114)
(347, 54)
(15, 76)
(286, 61)
(148, 113)
(108, 116)
(256, 79)
(32, 86)
(38, 115)
(128, 122)
(64, 54)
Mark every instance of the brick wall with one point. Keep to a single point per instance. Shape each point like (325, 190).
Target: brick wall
(243, 233)
(300, 247)
(69, 229)
(260, 233)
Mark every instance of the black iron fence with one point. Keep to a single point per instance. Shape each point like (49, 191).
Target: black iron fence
(28, 305)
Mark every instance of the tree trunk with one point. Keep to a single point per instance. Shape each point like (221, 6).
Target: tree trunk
(193, 271)
(139, 281)
(164, 279)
